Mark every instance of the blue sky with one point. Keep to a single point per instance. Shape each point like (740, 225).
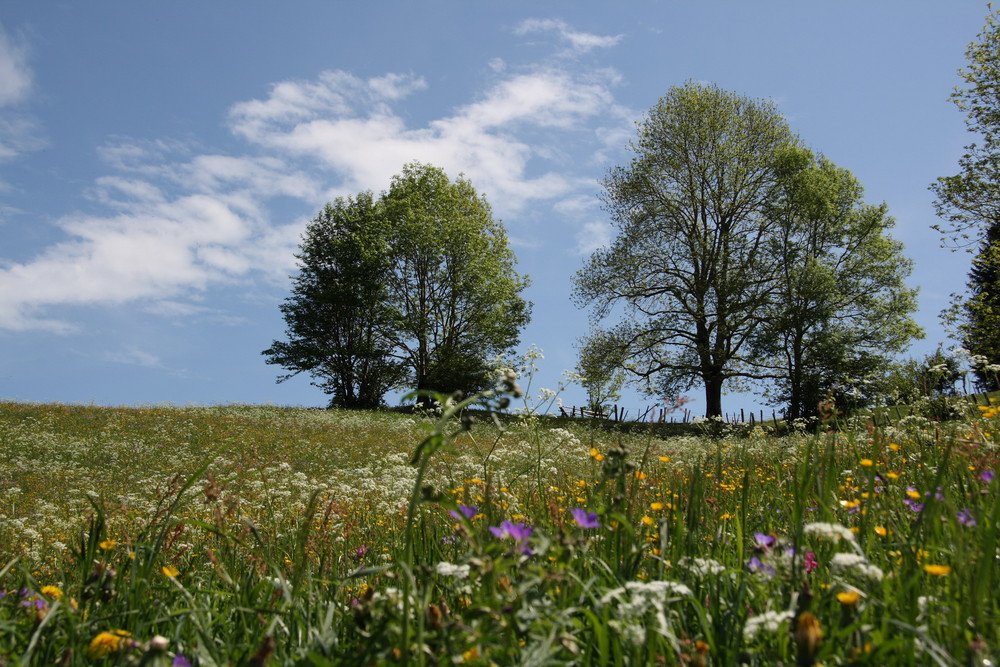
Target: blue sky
(158, 161)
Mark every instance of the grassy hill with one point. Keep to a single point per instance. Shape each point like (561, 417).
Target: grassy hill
(243, 534)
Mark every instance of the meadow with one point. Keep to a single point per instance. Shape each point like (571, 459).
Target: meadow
(281, 536)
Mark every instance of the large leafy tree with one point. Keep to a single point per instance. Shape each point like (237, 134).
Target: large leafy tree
(970, 200)
(691, 266)
(840, 308)
(337, 316)
(414, 288)
(453, 289)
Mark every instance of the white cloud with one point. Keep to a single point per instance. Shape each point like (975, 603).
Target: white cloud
(580, 42)
(15, 75)
(177, 222)
(348, 125)
(592, 236)
(134, 357)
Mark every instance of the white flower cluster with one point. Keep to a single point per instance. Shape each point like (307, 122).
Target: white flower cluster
(446, 569)
(844, 562)
(702, 567)
(769, 621)
(833, 532)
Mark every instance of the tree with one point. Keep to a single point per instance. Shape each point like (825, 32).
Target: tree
(970, 200)
(691, 265)
(841, 307)
(453, 291)
(416, 287)
(337, 316)
(600, 368)
(980, 313)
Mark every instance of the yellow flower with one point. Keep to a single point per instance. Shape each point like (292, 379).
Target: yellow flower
(881, 531)
(892, 475)
(893, 446)
(664, 459)
(108, 642)
(848, 598)
(52, 591)
(937, 570)
(170, 571)
(108, 544)
(640, 474)
(868, 463)
(656, 507)
(471, 654)
(648, 520)
(914, 495)
(725, 516)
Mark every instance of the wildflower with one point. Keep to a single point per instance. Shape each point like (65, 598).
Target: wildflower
(881, 531)
(937, 570)
(867, 463)
(913, 505)
(845, 562)
(357, 553)
(849, 598)
(828, 531)
(912, 493)
(986, 476)
(446, 569)
(108, 544)
(170, 571)
(808, 635)
(648, 520)
(519, 532)
(52, 591)
(810, 563)
(656, 507)
(664, 459)
(180, 661)
(770, 621)
(702, 567)
(106, 643)
(755, 564)
(764, 542)
(585, 519)
(464, 511)
(964, 517)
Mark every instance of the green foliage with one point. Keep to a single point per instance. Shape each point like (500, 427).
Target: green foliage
(840, 308)
(337, 315)
(416, 287)
(980, 313)
(970, 200)
(600, 369)
(690, 264)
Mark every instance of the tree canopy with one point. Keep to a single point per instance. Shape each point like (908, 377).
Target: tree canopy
(414, 288)
(739, 254)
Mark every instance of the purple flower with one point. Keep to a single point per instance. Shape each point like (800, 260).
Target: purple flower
(986, 476)
(359, 552)
(518, 532)
(757, 565)
(585, 519)
(914, 505)
(467, 512)
(764, 542)
(180, 661)
(965, 518)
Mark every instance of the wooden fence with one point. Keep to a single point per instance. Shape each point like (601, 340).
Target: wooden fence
(660, 415)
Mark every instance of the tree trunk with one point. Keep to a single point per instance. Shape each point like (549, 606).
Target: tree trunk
(713, 395)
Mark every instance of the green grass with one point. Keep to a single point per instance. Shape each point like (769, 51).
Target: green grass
(245, 535)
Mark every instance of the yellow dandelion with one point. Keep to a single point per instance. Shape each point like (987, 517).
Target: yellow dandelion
(170, 571)
(892, 475)
(881, 531)
(648, 520)
(867, 463)
(848, 598)
(53, 592)
(640, 474)
(937, 570)
(914, 495)
(108, 544)
(893, 446)
(656, 507)
(106, 643)
(664, 459)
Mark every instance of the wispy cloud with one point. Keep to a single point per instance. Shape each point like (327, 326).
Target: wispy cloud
(18, 131)
(178, 221)
(579, 42)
